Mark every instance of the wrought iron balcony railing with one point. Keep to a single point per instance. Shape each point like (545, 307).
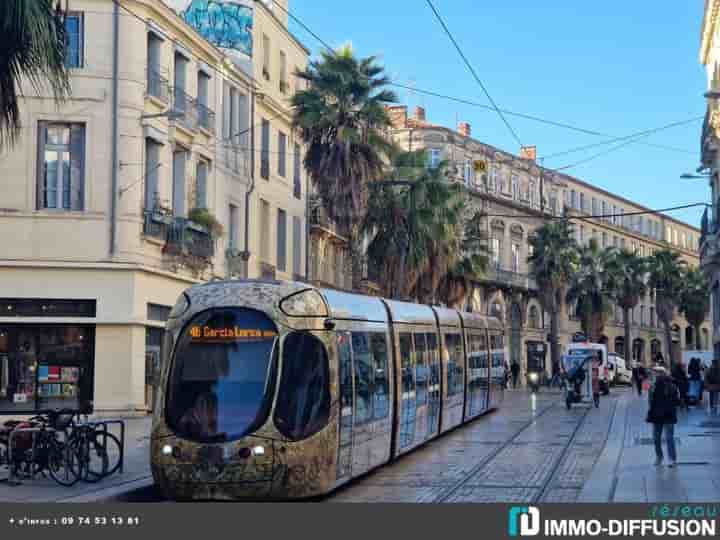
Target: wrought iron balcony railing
(186, 238)
(158, 86)
(186, 107)
(156, 224)
(498, 275)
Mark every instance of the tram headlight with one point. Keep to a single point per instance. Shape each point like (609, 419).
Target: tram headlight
(533, 377)
(167, 450)
(258, 451)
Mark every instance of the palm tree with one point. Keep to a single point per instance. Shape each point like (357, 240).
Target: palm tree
(592, 288)
(413, 229)
(666, 271)
(341, 117)
(32, 49)
(552, 264)
(695, 300)
(629, 274)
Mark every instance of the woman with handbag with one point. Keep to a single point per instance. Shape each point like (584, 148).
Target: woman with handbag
(664, 398)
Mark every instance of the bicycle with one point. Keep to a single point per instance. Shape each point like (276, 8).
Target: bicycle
(43, 452)
(99, 452)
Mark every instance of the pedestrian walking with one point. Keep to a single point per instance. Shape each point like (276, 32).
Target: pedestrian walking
(681, 381)
(515, 368)
(637, 376)
(695, 373)
(712, 381)
(663, 400)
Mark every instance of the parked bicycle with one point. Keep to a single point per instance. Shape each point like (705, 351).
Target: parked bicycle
(38, 448)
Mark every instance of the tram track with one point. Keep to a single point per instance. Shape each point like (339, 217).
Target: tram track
(443, 497)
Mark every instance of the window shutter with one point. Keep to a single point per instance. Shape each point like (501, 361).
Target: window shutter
(77, 166)
(40, 187)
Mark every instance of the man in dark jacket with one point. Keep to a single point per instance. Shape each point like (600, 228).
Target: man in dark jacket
(515, 368)
(664, 399)
(712, 382)
(637, 376)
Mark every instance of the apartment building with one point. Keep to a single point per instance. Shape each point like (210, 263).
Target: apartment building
(518, 196)
(172, 163)
(710, 159)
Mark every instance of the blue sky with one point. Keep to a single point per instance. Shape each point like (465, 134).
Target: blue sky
(616, 67)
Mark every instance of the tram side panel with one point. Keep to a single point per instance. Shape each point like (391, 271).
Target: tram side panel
(417, 386)
(366, 382)
(497, 370)
(453, 372)
(476, 401)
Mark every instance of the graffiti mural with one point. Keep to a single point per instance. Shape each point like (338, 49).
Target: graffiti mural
(226, 24)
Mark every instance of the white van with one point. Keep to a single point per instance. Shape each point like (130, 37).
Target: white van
(618, 368)
(583, 347)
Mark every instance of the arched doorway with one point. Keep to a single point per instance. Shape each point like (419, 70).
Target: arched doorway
(689, 341)
(516, 334)
(655, 348)
(638, 351)
(620, 345)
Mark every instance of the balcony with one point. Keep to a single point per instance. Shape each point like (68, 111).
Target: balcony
(186, 107)
(156, 225)
(158, 86)
(502, 277)
(319, 219)
(186, 238)
(206, 118)
(235, 157)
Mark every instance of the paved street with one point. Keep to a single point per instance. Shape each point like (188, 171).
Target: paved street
(531, 450)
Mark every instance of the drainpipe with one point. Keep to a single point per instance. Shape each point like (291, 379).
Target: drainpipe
(246, 252)
(307, 227)
(114, 143)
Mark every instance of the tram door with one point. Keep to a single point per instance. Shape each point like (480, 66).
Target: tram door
(406, 397)
(345, 372)
(497, 352)
(434, 396)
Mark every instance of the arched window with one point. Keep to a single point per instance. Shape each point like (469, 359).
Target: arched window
(533, 317)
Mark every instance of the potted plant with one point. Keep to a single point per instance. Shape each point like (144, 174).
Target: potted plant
(204, 218)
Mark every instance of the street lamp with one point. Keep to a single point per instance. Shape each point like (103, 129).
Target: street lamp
(688, 176)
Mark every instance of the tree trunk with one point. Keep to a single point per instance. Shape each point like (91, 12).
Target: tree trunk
(554, 345)
(668, 339)
(628, 345)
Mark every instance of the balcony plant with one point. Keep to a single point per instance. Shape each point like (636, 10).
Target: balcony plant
(204, 218)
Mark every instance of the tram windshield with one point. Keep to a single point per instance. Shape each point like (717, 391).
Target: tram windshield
(222, 378)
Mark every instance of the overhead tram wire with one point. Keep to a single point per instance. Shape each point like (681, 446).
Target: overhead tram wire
(482, 105)
(472, 70)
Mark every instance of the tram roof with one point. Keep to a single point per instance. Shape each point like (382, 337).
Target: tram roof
(406, 312)
(344, 305)
(447, 317)
(474, 320)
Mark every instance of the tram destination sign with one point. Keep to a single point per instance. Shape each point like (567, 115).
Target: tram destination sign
(208, 334)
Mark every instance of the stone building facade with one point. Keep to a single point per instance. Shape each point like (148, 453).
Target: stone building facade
(710, 158)
(518, 196)
(97, 243)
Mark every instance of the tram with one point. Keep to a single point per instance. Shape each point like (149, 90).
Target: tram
(280, 390)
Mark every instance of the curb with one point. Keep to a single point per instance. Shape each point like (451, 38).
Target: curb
(599, 487)
(110, 493)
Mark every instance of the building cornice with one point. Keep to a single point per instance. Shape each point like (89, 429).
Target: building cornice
(709, 24)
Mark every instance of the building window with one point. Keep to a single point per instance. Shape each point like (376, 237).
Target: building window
(233, 223)
(152, 164)
(265, 150)
(604, 239)
(264, 230)
(594, 206)
(297, 175)
(492, 185)
(515, 187)
(604, 211)
(61, 155)
(515, 257)
(467, 172)
(178, 187)
(74, 33)
(281, 240)
(282, 157)
(266, 57)
(533, 317)
(201, 184)
(283, 72)
(434, 161)
(297, 245)
(157, 85)
(205, 116)
(573, 199)
(582, 234)
(495, 247)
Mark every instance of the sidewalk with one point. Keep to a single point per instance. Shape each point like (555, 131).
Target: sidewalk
(136, 474)
(625, 472)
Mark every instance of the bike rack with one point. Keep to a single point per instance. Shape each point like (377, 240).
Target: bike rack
(12, 479)
(103, 424)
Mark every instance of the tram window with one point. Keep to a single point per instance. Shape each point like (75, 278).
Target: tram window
(432, 347)
(455, 364)
(381, 405)
(303, 406)
(408, 384)
(497, 346)
(422, 373)
(222, 389)
(364, 377)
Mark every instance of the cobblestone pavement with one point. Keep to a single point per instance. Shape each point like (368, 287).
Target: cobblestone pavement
(532, 449)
